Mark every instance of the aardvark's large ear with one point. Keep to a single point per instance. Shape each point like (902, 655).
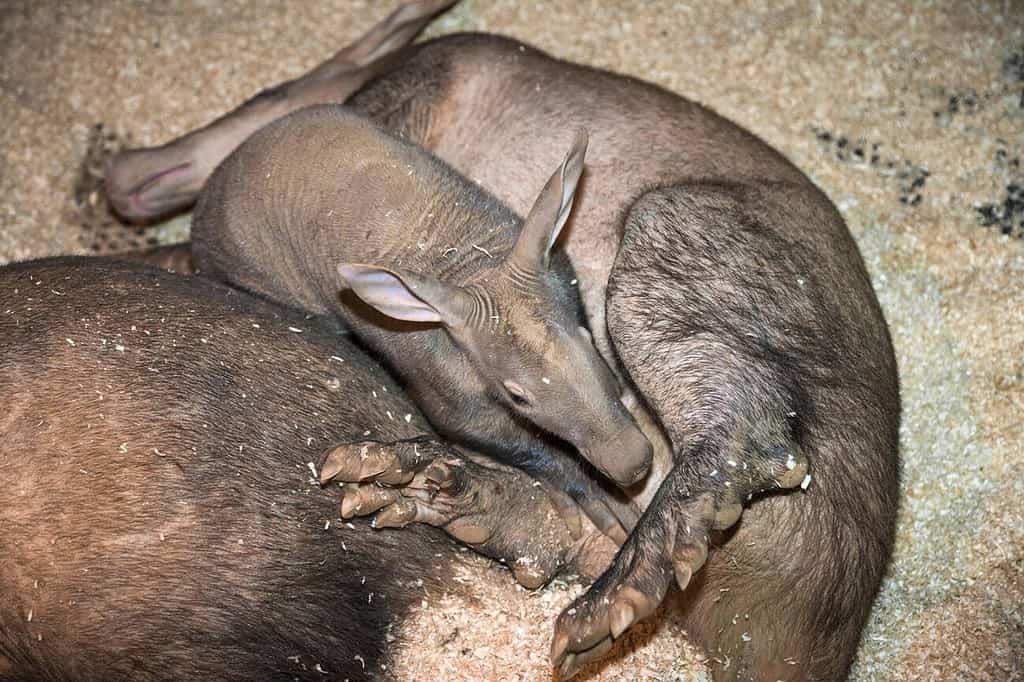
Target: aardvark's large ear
(407, 295)
(550, 211)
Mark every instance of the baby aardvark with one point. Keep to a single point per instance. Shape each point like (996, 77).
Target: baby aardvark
(460, 297)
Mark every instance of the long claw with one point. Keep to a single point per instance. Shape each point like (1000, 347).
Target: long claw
(349, 502)
(398, 515)
(439, 475)
(688, 557)
(621, 618)
(588, 627)
(568, 669)
(361, 500)
(610, 525)
(683, 574)
(335, 463)
(559, 645)
(355, 462)
(592, 654)
(390, 474)
(393, 464)
(794, 471)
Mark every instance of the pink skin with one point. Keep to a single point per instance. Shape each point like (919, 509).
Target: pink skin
(134, 204)
(146, 184)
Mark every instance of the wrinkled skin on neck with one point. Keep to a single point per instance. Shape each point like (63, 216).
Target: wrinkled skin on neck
(539, 361)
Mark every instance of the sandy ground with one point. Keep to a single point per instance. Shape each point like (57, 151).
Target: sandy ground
(909, 114)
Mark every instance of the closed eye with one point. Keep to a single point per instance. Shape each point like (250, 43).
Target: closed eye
(517, 393)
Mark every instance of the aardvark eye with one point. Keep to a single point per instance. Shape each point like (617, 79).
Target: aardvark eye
(517, 393)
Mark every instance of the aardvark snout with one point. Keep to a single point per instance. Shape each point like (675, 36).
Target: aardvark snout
(624, 457)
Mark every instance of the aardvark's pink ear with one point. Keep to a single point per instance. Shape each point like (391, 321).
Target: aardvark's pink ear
(405, 295)
(532, 251)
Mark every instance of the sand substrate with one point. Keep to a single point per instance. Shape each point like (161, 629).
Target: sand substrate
(909, 115)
